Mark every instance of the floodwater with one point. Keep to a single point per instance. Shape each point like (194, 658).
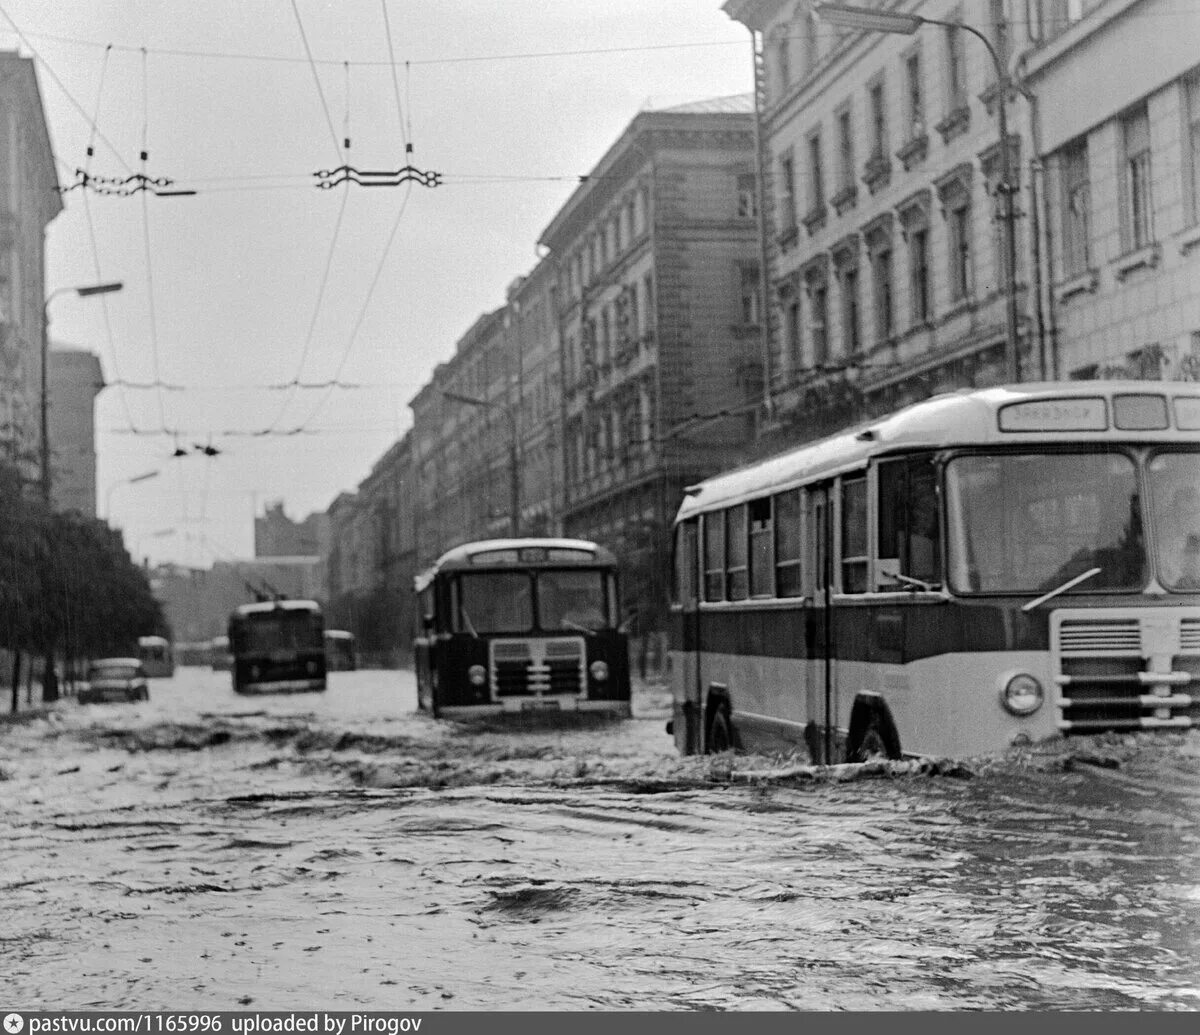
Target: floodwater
(341, 851)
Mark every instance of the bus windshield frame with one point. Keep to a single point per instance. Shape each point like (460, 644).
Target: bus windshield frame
(1027, 521)
(529, 600)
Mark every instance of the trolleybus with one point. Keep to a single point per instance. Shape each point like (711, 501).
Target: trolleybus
(510, 625)
(277, 645)
(340, 653)
(156, 655)
(980, 569)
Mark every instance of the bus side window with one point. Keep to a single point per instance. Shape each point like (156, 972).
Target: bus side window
(687, 563)
(736, 547)
(854, 535)
(909, 529)
(714, 555)
(788, 544)
(762, 559)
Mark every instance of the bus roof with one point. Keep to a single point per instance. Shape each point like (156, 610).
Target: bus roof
(153, 641)
(268, 606)
(338, 634)
(519, 552)
(965, 417)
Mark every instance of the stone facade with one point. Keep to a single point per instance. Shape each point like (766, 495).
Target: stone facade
(1122, 190)
(75, 381)
(29, 200)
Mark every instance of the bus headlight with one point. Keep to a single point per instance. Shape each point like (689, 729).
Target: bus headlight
(599, 671)
(1022, 694)
(477, 674)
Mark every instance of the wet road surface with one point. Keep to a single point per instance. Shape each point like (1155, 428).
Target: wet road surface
(341, 851)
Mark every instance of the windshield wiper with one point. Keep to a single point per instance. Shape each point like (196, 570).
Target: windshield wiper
(575, 625)
(910, 582)
(469, 623)
(1069, 584)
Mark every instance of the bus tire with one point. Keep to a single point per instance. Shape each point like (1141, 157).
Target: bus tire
(872, 732)
(719, 734)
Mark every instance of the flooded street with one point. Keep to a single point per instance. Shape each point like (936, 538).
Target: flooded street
(340, 851)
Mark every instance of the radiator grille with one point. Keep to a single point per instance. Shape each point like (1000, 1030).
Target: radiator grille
(538, 667)
(1127, 668)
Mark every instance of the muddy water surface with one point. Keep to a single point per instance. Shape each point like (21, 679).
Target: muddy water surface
(341, 851)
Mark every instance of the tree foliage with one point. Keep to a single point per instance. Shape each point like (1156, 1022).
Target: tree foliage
(67, 583)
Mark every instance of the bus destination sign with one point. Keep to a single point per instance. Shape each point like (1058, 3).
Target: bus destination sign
(1086, 414)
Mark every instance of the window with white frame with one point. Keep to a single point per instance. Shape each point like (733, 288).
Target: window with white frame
(1076, 208)
(878, 115)
(1136, 184)
(1191, 144)
(787, 192)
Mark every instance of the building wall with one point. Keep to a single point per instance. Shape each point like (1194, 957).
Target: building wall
(29, 200)
(1124, 303)
(277, 535)
(75, 379)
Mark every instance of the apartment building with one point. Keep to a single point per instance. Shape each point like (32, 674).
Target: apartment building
(1122, 172)
(75, 379)
(882, 163)
(659, 312)
(29, 200)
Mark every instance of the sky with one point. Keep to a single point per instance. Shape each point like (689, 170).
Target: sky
(261, 280)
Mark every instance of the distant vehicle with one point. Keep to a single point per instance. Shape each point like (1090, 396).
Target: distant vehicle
(156, 657)
(278, 645)
(339, 651)
(219, 658)
(513, 625)
(115, 679)
(192, 654)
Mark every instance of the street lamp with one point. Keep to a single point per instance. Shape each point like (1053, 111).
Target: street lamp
(116, 485)
(82, 292)
(870, 20)
(514, 474)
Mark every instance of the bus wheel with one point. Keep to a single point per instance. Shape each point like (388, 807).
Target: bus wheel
(872, 735)
(719, 737)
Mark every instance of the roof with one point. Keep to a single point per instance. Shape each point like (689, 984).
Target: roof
(267, 606)
(955, 418)
(460, 556)
(735, 104)
(115, 662)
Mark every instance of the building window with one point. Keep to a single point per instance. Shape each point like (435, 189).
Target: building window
(792, 330)
(1191, 145)
(747, 196)
(878, 122)
(918, 265)
(816, 182)
(958, 220)
(812, 27)
(915, 91)
(787, 186)
(751, 294)
(845, 151)
(1138, 201)
(846, 265)
(648, 298)
(881, 276)
(818, 322)
(1076, 209)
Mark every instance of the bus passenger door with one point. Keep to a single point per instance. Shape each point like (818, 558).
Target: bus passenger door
(686, 688)
(819, 625)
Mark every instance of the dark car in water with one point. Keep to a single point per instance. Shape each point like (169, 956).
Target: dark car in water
(115, 679)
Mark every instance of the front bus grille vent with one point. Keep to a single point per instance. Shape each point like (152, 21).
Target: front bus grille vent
(538, 667)
(1126, 668)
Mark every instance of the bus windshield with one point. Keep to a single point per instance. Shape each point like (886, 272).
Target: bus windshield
(1027, 523)
(572, 600)
(266, 633)
(495, 602)
(1175, 512)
